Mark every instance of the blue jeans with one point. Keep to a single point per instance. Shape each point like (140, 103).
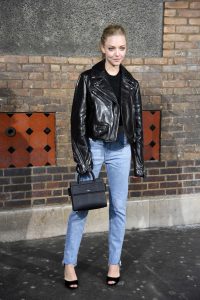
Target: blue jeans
(117, 159)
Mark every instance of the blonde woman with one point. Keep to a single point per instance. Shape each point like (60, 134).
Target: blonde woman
(106, 128)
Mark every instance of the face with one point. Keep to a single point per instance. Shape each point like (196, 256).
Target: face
(114, 49)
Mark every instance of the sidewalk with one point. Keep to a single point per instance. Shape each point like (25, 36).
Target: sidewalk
(159, 264)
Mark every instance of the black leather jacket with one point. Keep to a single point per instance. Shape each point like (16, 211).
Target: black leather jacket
(95, 114)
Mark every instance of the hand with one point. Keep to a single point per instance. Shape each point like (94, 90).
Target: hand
(82, 171)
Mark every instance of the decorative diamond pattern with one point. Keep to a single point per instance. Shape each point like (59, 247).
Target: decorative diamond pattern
(47, 148)
(11, 149)
(10, 115)
(47, 130)
(152, 144)
(29, 149)
(29, 131)
(152, 112)
(152, 127)
(36, 124)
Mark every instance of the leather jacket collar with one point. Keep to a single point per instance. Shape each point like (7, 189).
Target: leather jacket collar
(98, 70)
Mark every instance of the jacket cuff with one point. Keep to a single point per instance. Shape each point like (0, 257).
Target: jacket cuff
(83, 169)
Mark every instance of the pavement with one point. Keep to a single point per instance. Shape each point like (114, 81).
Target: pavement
(157, 264)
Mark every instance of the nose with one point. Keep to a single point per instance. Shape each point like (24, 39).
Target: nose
(117, 52)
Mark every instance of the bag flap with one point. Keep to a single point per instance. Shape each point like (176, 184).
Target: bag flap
(89, 186)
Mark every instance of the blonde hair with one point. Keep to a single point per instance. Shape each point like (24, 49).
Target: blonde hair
(112, 29)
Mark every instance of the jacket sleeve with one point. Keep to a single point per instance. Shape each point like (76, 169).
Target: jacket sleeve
(137, 147)
(80, 144)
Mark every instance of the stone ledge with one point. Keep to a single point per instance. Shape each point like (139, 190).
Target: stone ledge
(146, 212)
(163, 211)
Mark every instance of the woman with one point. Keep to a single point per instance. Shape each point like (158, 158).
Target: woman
(106, 127)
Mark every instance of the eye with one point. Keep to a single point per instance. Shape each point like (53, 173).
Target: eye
(122, 48)
(110, 48)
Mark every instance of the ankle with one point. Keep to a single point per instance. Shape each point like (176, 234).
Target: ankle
(69, 270)
(113, 270)
(114, 266)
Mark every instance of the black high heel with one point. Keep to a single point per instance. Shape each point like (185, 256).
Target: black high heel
(69, 284)
(114, 279)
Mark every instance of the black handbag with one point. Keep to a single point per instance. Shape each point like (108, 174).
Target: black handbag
(89, 194)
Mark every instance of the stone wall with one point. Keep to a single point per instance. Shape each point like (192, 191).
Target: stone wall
(73, 28)
(170, 83)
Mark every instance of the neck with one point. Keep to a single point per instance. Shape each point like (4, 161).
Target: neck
(110, 69)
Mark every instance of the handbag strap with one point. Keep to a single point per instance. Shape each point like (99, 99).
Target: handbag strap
(90, 173)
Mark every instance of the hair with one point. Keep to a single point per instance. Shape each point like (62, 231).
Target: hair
(113, 29)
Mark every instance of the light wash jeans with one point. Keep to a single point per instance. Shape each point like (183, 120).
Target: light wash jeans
(117, 159)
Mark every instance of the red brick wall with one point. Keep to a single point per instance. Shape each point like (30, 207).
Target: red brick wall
(170, 84)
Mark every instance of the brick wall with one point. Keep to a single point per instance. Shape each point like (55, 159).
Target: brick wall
(28, 187)
(170, 84)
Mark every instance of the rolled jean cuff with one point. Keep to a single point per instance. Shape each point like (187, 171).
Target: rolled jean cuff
(69, 263)
(115, 263)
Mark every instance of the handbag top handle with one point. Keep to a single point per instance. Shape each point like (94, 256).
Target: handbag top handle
(90, 172)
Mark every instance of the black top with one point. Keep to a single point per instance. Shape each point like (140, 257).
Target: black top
(115, 82)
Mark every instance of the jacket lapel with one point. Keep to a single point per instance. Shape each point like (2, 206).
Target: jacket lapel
(101, 84)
